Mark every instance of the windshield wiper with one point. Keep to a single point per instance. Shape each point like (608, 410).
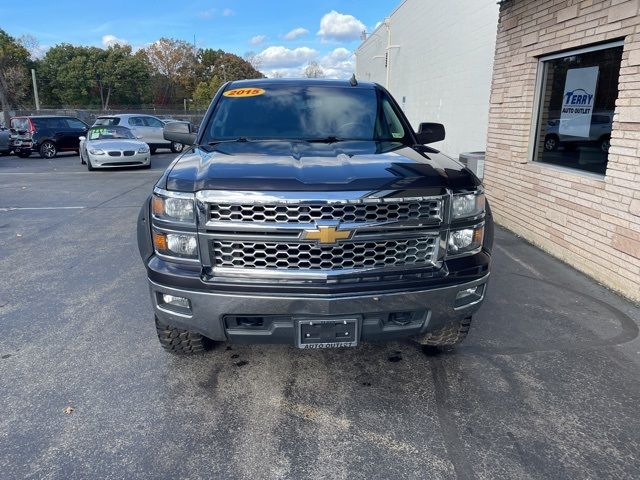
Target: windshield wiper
(229, 140)
(327, 139)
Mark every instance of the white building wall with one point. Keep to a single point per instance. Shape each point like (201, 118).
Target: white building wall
(441, 71)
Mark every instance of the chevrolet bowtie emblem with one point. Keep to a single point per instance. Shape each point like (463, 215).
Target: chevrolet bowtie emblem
(327, 234)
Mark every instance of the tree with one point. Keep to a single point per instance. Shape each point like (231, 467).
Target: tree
(313, 70)
(14, 79)
(122, 74)
(205, 91)
(227, 66)
(174, 63)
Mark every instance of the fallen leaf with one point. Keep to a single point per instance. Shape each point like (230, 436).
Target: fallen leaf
(68, 410)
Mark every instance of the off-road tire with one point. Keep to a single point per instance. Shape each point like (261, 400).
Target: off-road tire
(448, 335)
(180, 341)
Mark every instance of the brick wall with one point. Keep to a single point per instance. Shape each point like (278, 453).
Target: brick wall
(591, 223)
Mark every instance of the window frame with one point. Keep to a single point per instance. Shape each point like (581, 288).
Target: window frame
(539, 95)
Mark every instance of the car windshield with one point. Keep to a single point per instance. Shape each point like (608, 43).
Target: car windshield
(107, 133)
(107, 121)
(302, 112)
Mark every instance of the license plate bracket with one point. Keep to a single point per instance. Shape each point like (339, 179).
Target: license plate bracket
(333, 332)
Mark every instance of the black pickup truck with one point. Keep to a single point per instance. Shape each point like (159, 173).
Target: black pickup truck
(309, 212)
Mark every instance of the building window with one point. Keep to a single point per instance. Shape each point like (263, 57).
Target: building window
(577, 96)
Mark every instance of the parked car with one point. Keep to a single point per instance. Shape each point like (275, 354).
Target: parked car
(109, 146)
(47, 135)
(308, 212)
(599, 133)
(5, 141)
(146, 127)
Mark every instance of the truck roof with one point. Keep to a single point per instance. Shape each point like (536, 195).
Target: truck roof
(299, 81)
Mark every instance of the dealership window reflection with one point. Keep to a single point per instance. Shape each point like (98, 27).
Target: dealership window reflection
(577, 101)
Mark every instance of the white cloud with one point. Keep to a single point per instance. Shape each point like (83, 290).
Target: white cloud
(227, 12)
(258, 39)
(111, 40)
(339, 63)
(207, 13)
(340, 27)
(295, 33)
(278, 57)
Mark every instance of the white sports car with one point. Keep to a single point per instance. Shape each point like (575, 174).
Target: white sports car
(113, 146)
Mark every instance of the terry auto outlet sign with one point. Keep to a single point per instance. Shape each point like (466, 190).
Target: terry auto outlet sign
(578, 100)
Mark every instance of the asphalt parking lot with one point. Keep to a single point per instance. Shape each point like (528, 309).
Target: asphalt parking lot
(546, 385)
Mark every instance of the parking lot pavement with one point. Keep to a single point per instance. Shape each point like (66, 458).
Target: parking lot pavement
(546, 385)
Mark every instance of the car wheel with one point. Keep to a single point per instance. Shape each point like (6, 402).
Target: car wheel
(447, 336)
(176, 147)
(605, 143)
(152, 150)
(23, 154)
(82, 162)
(180, 341)
(551, 143)
(48, 150)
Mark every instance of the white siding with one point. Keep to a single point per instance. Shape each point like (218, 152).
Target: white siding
(442, 68)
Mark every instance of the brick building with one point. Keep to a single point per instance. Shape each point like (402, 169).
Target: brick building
(563, 145)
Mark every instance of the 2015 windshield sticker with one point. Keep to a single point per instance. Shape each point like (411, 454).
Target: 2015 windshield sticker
(243, 92)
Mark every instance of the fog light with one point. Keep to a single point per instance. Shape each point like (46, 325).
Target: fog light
(469, 296)
(177, 301)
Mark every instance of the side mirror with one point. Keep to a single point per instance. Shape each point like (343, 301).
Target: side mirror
(82, 139)
(430, 133)
(180, 132)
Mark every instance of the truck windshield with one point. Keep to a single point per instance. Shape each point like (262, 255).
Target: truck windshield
(309, 113)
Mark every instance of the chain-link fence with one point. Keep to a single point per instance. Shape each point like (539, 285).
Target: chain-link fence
(88, 115)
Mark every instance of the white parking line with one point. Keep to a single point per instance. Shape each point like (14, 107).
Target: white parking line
(9, 209)
(519, 261)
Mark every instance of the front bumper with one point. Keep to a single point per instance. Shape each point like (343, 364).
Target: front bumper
(106, 161)
(210, 312)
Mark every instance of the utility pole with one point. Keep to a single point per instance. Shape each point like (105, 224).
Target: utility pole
(35, 89)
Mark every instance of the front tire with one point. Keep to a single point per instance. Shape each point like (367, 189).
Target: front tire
(176, 147)
(48, 150)
(179, 341)
(448, 335)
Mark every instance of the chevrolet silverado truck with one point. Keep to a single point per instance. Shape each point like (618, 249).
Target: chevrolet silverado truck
(308, 212)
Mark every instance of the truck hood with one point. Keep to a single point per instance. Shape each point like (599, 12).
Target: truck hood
(298, 166)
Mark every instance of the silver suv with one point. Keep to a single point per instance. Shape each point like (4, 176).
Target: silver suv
(146, 127)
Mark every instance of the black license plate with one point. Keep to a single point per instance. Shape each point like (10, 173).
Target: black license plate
(334, 332)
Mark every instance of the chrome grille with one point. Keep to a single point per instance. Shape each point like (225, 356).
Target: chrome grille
(428, 210)
(350, 255)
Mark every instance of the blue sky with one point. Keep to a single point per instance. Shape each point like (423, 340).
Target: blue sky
(285, 34)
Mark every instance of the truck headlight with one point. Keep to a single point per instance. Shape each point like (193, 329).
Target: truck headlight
(182, 245)
(173, 206)
(467, 205)
(465, 241)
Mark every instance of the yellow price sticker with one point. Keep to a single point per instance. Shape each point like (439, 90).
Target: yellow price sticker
(243, 92)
